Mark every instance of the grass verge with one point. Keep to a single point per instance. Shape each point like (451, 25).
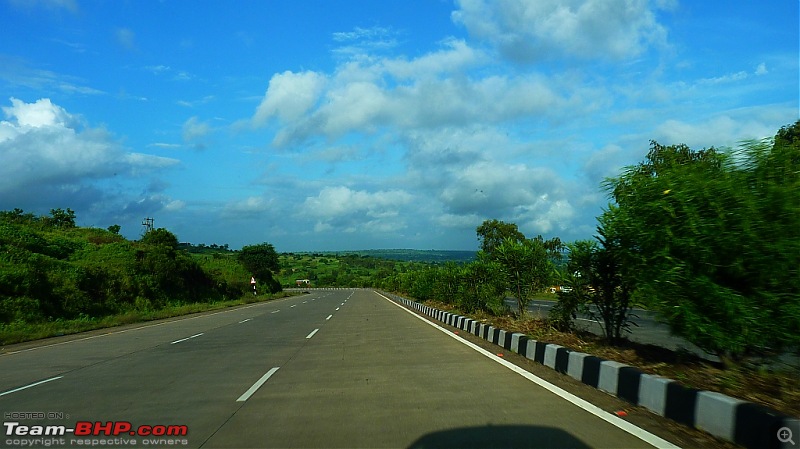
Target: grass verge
(18, 332)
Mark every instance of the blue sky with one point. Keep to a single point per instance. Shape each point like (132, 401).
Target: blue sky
(345, 125)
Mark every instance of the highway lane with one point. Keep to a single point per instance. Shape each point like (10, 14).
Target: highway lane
(155, 375)
(343, 368)
(376, 376)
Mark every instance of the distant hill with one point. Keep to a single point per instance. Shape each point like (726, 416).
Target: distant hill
(409, 255)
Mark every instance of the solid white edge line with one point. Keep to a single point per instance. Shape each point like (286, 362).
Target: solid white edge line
(30, 385)
(638, 432)
(187, 338)
(246, 395)
(312, 333)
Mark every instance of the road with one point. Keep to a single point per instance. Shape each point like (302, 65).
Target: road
(338, 368)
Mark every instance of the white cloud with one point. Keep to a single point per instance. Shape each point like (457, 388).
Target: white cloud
(251, 207)
(454, 58)
(527, 31)
(725, 129)
(338, 201)
(364, 98)
(44, 150)
(342, 209)
(289, 96)
(42, 113)
(194, 130)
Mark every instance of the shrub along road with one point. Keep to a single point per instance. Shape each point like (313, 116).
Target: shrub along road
(338, 368)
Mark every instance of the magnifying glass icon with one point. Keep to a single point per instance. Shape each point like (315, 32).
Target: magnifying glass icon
(785, 435)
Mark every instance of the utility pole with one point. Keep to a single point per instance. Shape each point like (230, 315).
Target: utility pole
(148, 225)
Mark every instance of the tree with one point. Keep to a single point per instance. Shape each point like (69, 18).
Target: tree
(482, 286)
(261, 260)
(114, 229)
(527, 268)
(492, 233)
(712, 240)
(160, 237)
(597, 275)
(61, 218)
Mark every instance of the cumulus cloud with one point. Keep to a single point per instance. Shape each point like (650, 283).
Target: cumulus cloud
(482, 133)
(195, 132)
(406, 95)
(525, 31)
(343, 209)
(45, 150)
(289, 96)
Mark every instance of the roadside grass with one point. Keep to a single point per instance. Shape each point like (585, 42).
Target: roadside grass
(778, 389)
(18, 332)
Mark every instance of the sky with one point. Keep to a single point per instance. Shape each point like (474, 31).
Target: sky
(319, 125)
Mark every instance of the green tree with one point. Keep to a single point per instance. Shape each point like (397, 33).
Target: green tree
(262, 261)
(160, 237)
(114, 229)
(527, 268)
(597, 275)
(713, 241)
(492, 233)
(61, 218)
(482, 286)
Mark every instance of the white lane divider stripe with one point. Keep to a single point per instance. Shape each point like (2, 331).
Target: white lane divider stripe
(312, 333)
(246, 395)
(31, 385)
(187, 338)
(329, 317)
(244, 321)
(276, 311)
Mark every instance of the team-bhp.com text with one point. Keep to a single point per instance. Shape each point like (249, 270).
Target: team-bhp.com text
(52, 435)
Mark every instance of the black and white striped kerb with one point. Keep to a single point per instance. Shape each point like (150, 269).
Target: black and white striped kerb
(742, 422)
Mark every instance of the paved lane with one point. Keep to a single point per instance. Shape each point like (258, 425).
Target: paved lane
(377, 376)
(342, 368)
(184, 372)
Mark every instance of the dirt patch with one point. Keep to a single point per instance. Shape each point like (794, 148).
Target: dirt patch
(779, 390)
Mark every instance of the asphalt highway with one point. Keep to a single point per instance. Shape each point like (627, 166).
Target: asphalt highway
(339, 368)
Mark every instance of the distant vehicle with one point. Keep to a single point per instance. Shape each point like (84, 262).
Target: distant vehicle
(560, 288)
